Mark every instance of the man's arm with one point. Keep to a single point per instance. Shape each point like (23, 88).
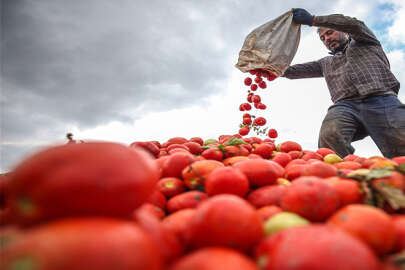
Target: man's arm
(305, 70)
(355, 28)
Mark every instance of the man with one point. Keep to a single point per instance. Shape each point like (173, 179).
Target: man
(69, 136)
(362, 87)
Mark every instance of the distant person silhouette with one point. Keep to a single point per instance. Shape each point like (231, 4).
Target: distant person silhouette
(69, 136)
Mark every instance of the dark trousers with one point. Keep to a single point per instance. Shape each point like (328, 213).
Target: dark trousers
(380, 117)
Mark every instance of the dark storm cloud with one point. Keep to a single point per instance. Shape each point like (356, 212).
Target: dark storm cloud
(88, 62)
(14, 153)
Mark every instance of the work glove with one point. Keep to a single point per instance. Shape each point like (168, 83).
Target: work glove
(301, 16)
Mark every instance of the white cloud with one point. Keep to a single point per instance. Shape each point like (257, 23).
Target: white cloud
(358, 9)
(396, 32)
(397, 60)
(220, 116)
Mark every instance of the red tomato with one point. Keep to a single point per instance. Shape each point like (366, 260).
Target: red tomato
(248, 81)
(94, 178)
(226, 220)
(227, 180)
(105, 243)
(273, 133)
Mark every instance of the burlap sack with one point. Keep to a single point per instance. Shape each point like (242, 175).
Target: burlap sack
(271, 46)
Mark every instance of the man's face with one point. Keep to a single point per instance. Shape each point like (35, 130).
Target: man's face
(332, 39)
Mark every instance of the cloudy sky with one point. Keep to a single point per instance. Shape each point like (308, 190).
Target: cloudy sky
(130, 70)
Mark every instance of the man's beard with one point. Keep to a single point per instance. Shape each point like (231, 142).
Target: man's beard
(343, 40)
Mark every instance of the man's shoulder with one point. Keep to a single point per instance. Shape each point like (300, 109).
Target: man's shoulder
(354, 43)
(325, 59)
(360, 48)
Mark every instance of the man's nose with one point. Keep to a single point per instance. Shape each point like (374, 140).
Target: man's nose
(328, 40)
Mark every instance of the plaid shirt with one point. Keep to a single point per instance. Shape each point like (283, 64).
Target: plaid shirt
(359, 71)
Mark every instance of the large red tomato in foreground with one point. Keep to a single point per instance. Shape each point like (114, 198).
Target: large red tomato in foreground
(315, 247)
(83, 244)
(215, 258)
(370, 224)
(99, 178)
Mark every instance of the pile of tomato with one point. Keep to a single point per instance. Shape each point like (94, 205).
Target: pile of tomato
(228, 203)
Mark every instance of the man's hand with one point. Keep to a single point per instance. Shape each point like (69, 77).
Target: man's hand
(301, 16)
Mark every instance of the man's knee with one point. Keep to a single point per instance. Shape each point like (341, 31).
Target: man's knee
(328, 134)
(331, 137)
